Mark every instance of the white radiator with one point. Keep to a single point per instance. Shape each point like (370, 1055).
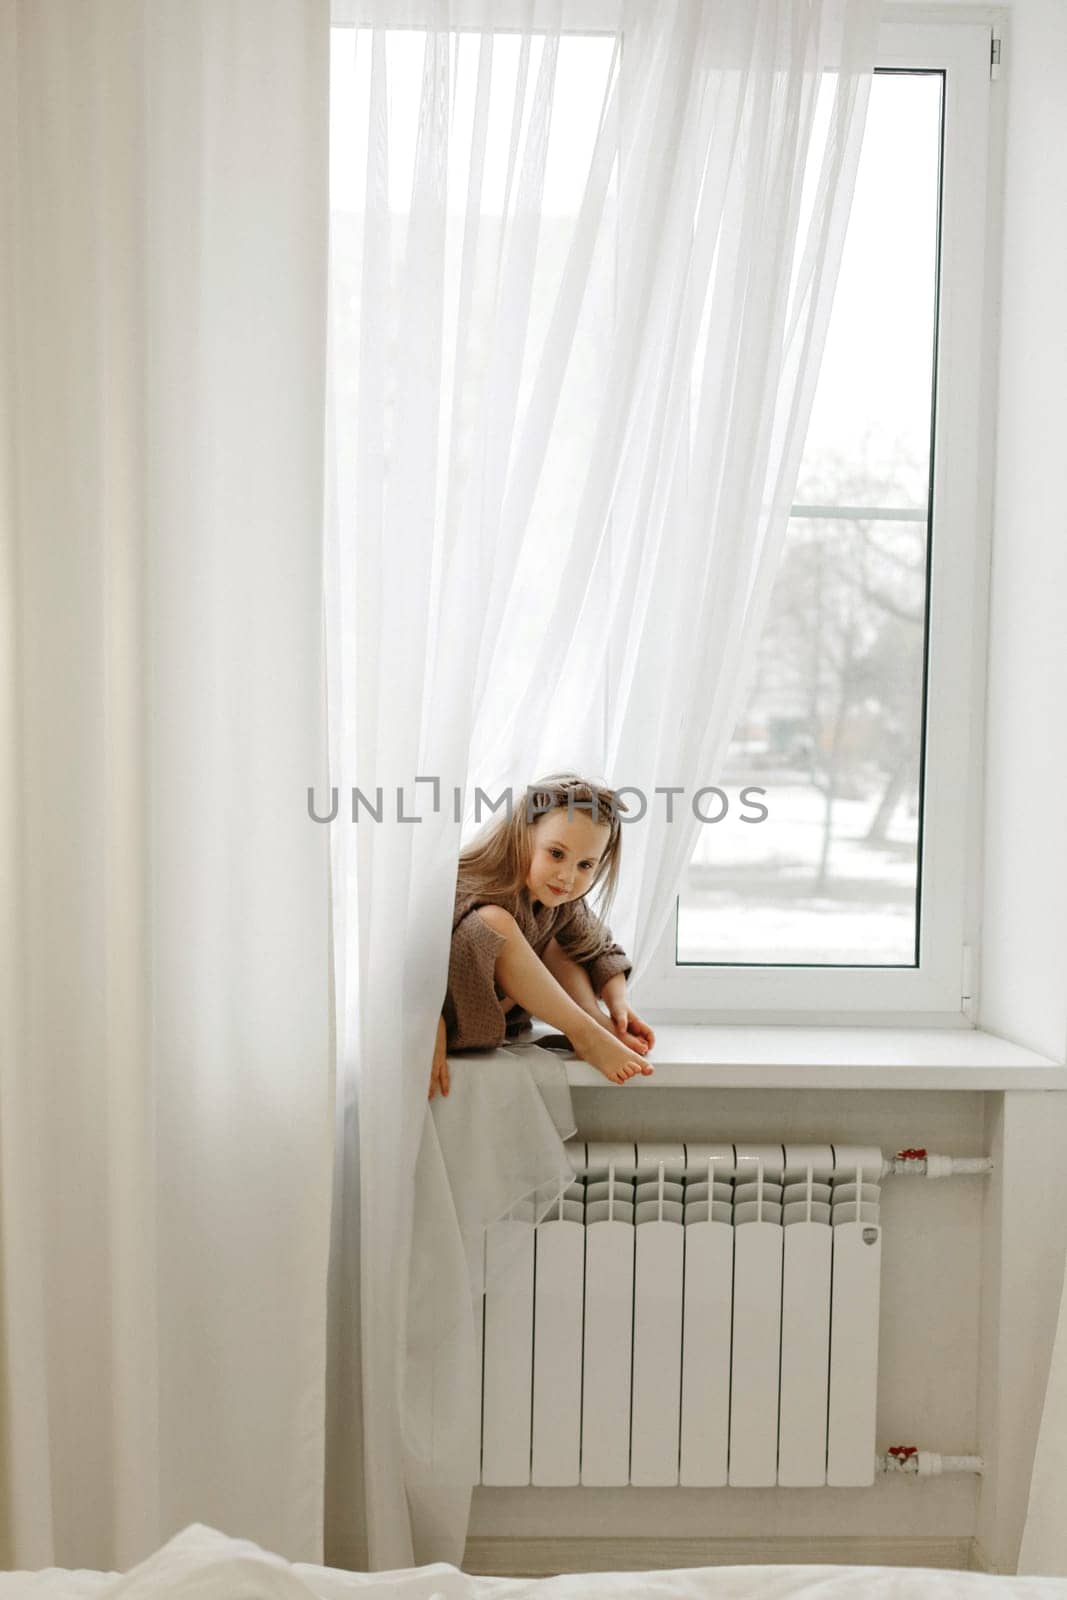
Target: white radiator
(687, 1314)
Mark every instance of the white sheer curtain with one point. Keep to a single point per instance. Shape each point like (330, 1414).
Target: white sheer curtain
(577, 300)
(741, 136)
(165, 1084)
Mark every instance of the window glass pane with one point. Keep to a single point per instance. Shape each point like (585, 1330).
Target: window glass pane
(832, 730)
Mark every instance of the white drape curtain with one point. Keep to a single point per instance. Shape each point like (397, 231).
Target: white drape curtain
(531, 410)
(166, 1123)
(578, 293)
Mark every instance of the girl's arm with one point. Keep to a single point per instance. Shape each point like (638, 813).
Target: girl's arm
(607, 971)
(619, 1019)
(627, 1024)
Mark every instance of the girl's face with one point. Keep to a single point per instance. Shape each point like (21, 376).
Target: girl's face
(566, 852)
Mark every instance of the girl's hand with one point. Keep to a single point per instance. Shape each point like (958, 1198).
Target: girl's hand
(628, 1026)
(439, 1072)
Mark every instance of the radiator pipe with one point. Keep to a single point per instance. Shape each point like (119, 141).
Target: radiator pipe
(907, 1458)
(629, 1159)
(923, 1164)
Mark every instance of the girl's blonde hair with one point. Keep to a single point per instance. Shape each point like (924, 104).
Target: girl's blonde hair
(496, 863)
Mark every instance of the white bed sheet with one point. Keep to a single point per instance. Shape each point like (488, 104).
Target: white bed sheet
(200, 1563)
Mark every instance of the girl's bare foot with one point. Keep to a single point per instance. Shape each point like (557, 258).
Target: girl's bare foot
(609, 1055)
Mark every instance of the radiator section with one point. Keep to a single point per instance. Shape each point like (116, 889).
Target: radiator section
(700, 1315)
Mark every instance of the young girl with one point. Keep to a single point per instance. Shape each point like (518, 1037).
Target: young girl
(525, 941)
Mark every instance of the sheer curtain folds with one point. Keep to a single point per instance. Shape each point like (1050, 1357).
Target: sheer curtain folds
(165, 1087)
(582, 260)
(740, 141)
(440, 142)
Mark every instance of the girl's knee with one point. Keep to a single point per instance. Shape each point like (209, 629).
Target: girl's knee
(499, 920)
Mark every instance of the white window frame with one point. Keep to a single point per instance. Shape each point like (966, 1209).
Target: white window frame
(941, 989)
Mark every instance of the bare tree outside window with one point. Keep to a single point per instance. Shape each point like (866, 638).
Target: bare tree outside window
(833, 725)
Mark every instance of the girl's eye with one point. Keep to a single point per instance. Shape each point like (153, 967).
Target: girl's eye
(557, 853)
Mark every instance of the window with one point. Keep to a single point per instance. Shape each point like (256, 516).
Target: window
(861, 724)
(853, 898)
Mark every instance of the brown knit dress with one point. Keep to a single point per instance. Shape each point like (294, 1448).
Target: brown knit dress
(474, 1017)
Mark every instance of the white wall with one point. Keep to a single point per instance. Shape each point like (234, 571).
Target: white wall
(1024, 904)
(937, 1387)
(1024, 912)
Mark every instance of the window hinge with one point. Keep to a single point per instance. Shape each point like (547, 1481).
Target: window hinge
(967, 974)
(994, 53)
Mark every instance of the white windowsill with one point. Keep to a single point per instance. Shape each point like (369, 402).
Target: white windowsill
(714, 1056)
